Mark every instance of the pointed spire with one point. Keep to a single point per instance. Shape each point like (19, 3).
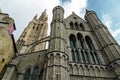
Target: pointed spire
(43, 16)
(35, 17)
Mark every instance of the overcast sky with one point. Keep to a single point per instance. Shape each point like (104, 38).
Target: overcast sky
(23, 11)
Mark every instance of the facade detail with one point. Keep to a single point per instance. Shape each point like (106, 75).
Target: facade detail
(35, 31)
(78, 49)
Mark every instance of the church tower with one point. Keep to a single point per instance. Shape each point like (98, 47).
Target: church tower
(36, 30)
(107, 43)
(56, 65)
(78, 49)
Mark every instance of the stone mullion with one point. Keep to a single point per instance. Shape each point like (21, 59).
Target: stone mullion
(90, 57)
(96, 61)
(80, 56)
(85, 56)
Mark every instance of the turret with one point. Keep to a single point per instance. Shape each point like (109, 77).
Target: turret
(109, 46)
(58, 13)
(92, 18)
(56, 63)
(58, 29)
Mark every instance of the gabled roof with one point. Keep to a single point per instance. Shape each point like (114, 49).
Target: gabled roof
(74, 15)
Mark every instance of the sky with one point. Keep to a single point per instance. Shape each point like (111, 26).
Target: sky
(23, 11)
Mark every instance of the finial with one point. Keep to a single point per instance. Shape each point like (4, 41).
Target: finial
(35, 17)
(73, 12)
(43, 16)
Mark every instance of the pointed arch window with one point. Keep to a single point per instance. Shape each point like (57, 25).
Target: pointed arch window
(95, 57)
(72, 41)
(81, 26)
(41, 74)
(27, 74)
(80, 40)
(76, 25)
(71, 25)
(35, 73)
(89, 43)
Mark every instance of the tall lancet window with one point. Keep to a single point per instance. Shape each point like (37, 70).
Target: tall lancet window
(35, 73)
(92, 53)
(41, 74)
(76, 25)
(73, 46)
(71, 25)
(72, 41)
(27, 74)
(80, 41)
(89, 43)
(73, 55)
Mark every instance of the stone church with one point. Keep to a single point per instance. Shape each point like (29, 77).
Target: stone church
(78, 49)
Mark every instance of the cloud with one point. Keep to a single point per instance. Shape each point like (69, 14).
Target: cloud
(77, 6)
(107, 20)
(22, 11)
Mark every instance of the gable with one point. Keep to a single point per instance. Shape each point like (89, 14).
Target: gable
(76, 20)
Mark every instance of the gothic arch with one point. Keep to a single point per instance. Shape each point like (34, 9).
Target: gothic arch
(41, 74)
(80, 40)
(27, 74)
(35, 73)
(81, 26)
(72, 40)
(76, 25)
(89, 43)
(71, 25)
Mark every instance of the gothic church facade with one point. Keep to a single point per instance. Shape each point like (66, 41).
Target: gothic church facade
(78, 49)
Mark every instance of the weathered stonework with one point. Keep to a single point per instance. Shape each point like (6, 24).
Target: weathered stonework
(7, 47)
(78, 49)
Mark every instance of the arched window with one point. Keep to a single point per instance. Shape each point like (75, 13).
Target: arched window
(73, 55)
(94, 55)
(72, 41)
(27, 74)
(76, 25)
(71, 25)
(35, 73)
(89, 43)
(80, 40)
(41, 74)
(81, 26)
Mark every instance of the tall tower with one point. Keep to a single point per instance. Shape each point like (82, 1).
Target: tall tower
(36, 30)
(107, 43)
(7, 43)
(56, 66)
